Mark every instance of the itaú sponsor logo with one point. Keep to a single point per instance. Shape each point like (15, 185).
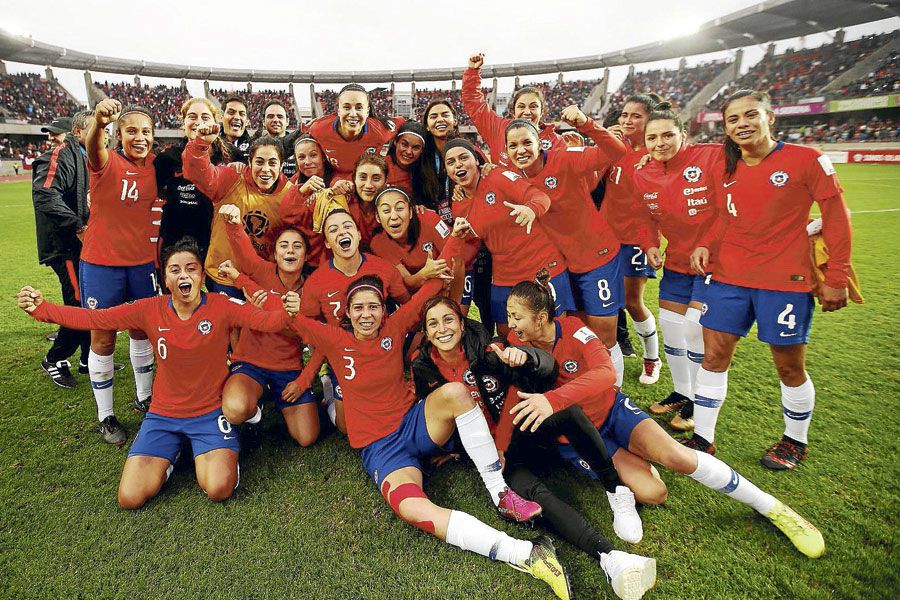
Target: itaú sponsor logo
(696, 201)
(689, 190)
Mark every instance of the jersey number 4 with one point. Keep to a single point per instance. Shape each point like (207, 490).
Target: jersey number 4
(129, 191)
(729, 204)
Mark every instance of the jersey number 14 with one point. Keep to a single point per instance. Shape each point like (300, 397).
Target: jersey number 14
(129, 191)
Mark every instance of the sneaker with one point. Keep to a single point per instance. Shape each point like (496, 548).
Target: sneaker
(699, 444)
(651, 371)
(803, 534)
(139, 405)
(673, 401)
(679, 423)
(544, 565)
(51, 337)
(83, 368)
(112, 431)
(59, 373)
(784, 455)
(630, 575)
(626, 521)
(514, 507)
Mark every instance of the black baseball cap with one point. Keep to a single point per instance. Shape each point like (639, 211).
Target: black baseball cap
(58, 125)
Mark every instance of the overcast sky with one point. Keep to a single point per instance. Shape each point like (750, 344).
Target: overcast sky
(361, 35)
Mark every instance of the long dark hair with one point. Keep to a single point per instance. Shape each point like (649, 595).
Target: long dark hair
(732, 150)
(423, 177)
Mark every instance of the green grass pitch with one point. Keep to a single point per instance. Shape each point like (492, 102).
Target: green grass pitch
(307, 523)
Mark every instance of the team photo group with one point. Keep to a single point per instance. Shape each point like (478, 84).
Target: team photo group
(427, 294)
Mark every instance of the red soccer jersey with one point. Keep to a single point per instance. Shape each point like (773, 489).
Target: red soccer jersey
(586, 376)
(190, 354)
(120, 230)
(433, 235)
(343, 154)
(366, 220)
(398, 176)
(460, 373)
(619, 208)
(491, 126)
(325, 290)
(573, 223)
(517, 256)
(370, 372)
(273, 351)
(679, 196)
(763, 214)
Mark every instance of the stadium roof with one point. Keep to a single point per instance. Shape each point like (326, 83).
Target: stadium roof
(767, 21)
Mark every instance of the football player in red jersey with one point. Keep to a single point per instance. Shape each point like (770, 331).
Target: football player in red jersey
(632, 438)
(117, 261)
(572, 223)
(190, 331)
(527, 103)
(618, 209)
(409, 167)
(352, 131)
(370, 174)
(395, 431)
(762, 270)
(678, 188)
(270, 361)
(503, 208)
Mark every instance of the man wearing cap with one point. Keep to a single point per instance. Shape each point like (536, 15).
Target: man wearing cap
(57, 130)
(59, 190)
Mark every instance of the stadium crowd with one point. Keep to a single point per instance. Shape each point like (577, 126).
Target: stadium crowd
(31, 98)
(885, 79)
(163, 100)
(678, 85)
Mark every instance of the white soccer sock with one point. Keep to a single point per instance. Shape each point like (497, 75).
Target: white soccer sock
(694, 338)
(618, 361)
(797, 404)
(141, 354)
(715, 474)
(466, 532)
(476, 439)
(100, 370)
(674, 328)
(256, 418)
(709, 393)
(332, 413)
(646, 330)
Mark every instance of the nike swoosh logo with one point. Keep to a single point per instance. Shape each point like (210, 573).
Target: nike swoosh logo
(163, 328)
(783, 334)
(230, 437)
(729, 183)
(177, 173)
(131, 173)
(329, 150)
(346, 349)
(605, 304)
(330, 294)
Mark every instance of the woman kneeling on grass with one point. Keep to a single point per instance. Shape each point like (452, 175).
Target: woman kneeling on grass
(394, 430)
(631, 437)
(189, 330)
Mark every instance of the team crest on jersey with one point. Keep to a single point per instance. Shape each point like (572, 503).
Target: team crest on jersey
(545, 144)
(256, 223)
(570, 366)
(779, 178)
(469, 377)
(204, 326)
(91, 302)
(551, 183)
(427, 247)
(490, 383)
(491, 198)
(371, 150)
(504, 155)
(692, 174)
(704, 308)
(387, 343)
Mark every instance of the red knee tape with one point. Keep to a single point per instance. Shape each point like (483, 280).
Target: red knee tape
(404, 491)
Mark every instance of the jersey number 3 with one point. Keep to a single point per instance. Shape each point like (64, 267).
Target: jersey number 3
(351, 370)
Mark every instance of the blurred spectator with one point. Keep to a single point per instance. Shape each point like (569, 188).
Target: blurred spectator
(255, 101)
(29, 97)
(676, 85)
(833, 130)
(885, 79)
(163, 101)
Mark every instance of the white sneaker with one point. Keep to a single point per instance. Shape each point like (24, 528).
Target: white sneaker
(626, 521)
(630, 575)
(651, 371)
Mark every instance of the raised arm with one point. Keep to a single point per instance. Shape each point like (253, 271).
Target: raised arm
(106, 112)
(214, 181)
(608, 147)
(488, 123)
(124, 316)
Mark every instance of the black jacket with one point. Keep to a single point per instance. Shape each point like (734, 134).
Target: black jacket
(492, 376)
(240, 149)
(59, 188)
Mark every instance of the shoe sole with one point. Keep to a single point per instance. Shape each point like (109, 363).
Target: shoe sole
(512, 518)
(775, 466)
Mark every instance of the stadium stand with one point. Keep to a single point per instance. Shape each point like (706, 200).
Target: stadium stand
(257, 99)
(424, 96)
(560, 95)
(163, 101)
(31, 98)
(677, 85)
(883, 80)
(19, 150)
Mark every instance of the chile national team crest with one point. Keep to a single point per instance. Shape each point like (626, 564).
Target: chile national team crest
(570, 366)
(204, 327)
(387, 343)
(427, 247)
(692, 174)
(779, 178)
(491, 198)
(469, 377)
(545, 144)
(551, 182)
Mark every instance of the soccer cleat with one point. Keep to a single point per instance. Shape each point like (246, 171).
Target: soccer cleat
(699, 444)
(651, 371)
(83, 368)
(679, 423)
(112, 431)
(630, 575)
(626, 521)
(139, 405)
(59, 373)
(784, 455)
(673, 401)
(514, 507)
(544, 565)
(803, 534)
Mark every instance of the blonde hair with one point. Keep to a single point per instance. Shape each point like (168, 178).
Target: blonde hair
(216, 113)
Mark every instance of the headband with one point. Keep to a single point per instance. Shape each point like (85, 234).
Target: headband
(460, 142)
(392, 189)
(355, 289)
(399, 133)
